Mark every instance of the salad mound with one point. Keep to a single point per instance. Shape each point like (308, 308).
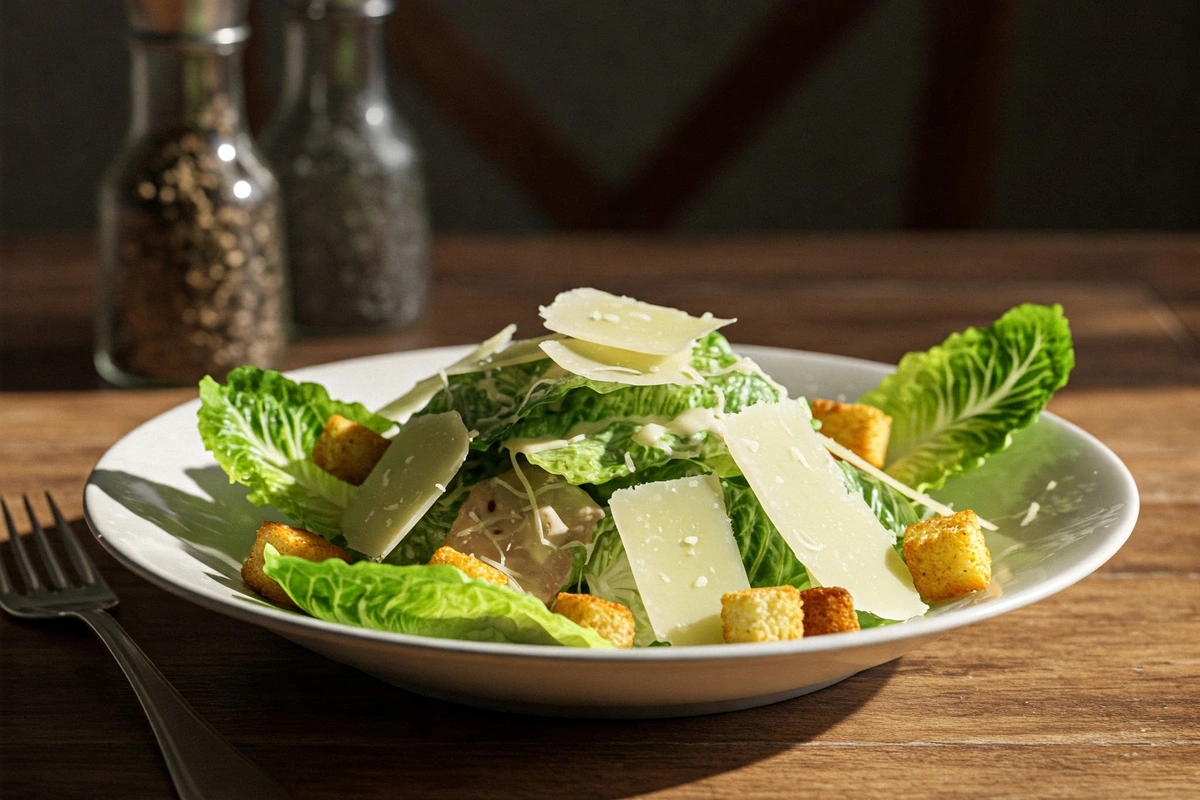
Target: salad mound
(628, 478)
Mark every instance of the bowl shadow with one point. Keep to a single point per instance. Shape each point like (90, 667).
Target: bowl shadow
(384, 737)
(389, 737)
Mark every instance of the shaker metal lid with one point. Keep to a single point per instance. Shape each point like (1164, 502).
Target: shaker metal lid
(205, 21)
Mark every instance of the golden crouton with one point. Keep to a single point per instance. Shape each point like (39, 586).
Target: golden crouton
(348, 450)
(469, 564)
(611, 620)
(857, 426)
(828, 609)
(288, 541)
(766, 614)
(947, 556)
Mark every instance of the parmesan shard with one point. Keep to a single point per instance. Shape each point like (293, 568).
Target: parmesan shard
(626, 324)
(413, 473)
(603, 363)
(682, 553)
(831, 531)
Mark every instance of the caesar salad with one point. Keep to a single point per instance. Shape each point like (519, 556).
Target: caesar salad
(627, 479)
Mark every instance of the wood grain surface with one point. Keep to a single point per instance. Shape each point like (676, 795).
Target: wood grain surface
(1090, 693)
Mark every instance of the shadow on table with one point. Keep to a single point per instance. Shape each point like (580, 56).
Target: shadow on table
(385, 739)
(217, 530)
(388, 742)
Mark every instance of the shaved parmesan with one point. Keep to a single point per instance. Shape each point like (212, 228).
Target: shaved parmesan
(412, 474)
(602, 363)
(682, 553)
(831, 531)
(520, 352)
(624, 323)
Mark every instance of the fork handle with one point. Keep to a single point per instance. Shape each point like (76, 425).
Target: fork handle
(203, 765)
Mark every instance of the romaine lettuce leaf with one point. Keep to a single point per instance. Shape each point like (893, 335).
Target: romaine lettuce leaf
(606, 448)
(609, 576)
(491, 401)
(766, 555)
(422, 600)
(538, 399)
(959, 402)
(678, 468)
(893, 510)
(261, 427)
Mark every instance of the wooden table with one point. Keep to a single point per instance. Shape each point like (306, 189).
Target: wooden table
(1091, 693)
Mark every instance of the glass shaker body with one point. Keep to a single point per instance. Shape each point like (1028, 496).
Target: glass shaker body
(193, 278)
(358, 229)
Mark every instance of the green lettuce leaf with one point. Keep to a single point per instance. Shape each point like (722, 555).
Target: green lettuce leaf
(491, 401)
(611, 420)
(767, 557)
(678, 468)
(539, 399)
(609, 576)
(261, 428)
(959, 402)
(891, 508)
(422, 600)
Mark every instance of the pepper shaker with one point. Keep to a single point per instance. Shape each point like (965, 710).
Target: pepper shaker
(358, 229)
(193, 278)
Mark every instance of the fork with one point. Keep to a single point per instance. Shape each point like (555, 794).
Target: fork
(201, 762)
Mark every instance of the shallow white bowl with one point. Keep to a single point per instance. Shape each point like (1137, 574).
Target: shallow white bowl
(158, 502)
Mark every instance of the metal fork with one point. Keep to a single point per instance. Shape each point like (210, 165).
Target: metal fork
(201, 762)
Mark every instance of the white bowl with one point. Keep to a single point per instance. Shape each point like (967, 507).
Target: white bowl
(160, 504)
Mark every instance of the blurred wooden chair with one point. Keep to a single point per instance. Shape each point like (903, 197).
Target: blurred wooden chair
(954, 151)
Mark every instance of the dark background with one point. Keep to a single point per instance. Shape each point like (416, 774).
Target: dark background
(1097, 109)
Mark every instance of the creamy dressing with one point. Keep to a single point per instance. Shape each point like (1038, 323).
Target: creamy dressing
(686, 425)
(653, 428)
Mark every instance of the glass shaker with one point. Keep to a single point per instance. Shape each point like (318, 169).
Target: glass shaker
(357, 225)
(191, 250)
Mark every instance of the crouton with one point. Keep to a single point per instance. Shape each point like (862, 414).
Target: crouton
(288, 541)
(828, 609)
(611, 620)
(472, 566)
(767, 614)
(348, 450)
(947, 556)
(859, 427)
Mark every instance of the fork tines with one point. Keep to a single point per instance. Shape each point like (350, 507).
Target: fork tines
(25, 563)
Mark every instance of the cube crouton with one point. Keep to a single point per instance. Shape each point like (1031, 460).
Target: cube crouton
(947, 556)
(828, 609)
(288, 541)
(472, 566)
(348, 450)
(611, 620)
(859, 427)
(766, 614)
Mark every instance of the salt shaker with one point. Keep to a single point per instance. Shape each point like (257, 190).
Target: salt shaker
(193, 277)
(357, 225)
